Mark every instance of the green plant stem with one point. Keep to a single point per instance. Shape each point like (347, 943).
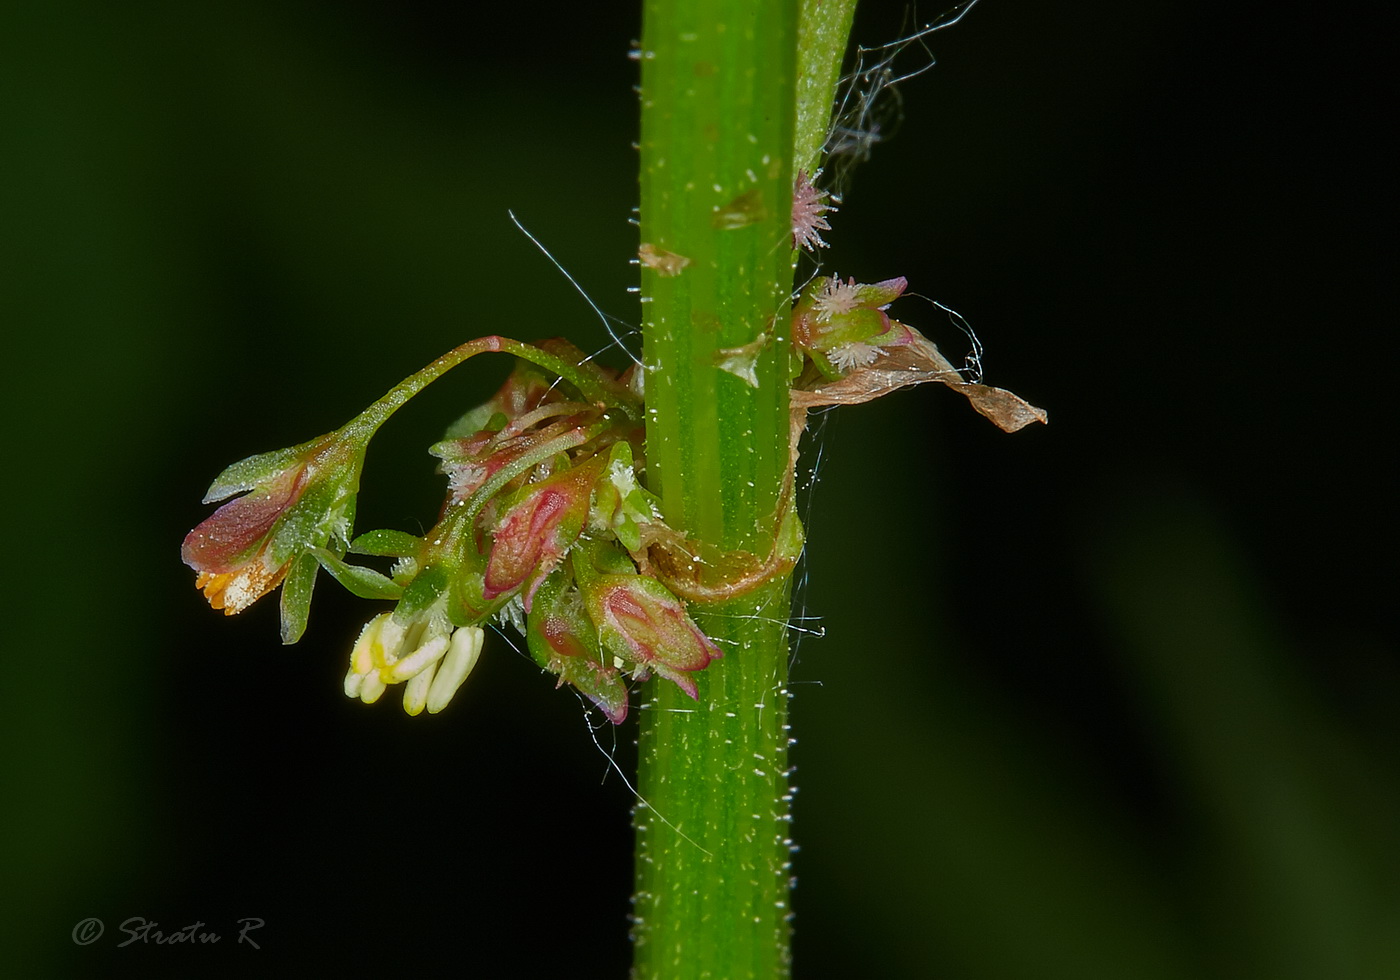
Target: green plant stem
(713, 840)
(718, 158)
(823, 30)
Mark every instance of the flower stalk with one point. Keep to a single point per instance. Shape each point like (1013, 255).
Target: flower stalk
(719, 158)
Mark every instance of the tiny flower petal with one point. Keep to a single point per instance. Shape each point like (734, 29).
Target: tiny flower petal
(601, 685)
(222, 541)
(563, 640)
(881, 294)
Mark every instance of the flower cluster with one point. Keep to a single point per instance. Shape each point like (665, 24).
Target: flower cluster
(842, 326)
(298, 500)
(547, 526)
(846, 349)
(544, 528)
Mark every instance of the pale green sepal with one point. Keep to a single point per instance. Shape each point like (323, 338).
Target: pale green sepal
(249, 473)
(421, 593)
(387, 543)
(296, 597)
(358, 580)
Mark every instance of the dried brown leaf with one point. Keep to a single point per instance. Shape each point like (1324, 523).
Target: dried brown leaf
(914, 363)
(700, 572)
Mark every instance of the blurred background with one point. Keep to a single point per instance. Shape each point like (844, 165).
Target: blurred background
(1114, 697)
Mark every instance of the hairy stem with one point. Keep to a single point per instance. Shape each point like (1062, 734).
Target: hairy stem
(718, 158)
(822, 31)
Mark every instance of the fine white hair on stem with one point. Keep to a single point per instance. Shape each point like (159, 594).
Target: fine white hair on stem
(605, 318)
(608, 754)
(641, 800)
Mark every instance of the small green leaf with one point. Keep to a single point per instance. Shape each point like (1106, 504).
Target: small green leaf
(358, 580)
(388, 543)
(628, 533)
(472, 422)
(248, 473)
(296, 598)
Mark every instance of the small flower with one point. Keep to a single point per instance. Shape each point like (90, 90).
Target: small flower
(620, 504)
(639, 621)
(230, 549)
(809, 209)
(428, 657)
(836, 298)
(563, 641)
(842, 325)
(298, 500)
(471, 463)
(538, 529)
(847, 357)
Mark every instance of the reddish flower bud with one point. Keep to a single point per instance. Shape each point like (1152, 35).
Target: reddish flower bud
(641, 622)
(297, 500)
(563, 641)
(569, 656)
(538, 530)
(229, 549)
(471, 463)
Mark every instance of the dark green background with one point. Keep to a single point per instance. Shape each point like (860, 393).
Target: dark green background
(1111, 698)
